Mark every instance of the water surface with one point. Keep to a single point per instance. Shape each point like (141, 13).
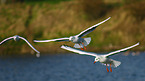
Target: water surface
(70, 67)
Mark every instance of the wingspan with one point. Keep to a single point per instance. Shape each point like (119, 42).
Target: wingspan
(29, 44)
(6, 40)
(78, 51)
(53, 40)
(118, 51)
(87, 31)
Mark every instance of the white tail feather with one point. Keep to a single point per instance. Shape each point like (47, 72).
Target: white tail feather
(87, 41)
(115, 63)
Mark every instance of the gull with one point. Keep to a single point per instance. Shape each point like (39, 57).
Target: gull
(104, 59)
(17, 38)
(77, 39)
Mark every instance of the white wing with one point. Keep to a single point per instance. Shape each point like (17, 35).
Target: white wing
(77, 51)
(53, 40)
(118, 51)
(87, 31)
(6, 40)
(29, 44)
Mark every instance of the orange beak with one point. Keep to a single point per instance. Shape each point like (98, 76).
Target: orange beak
(94, 62)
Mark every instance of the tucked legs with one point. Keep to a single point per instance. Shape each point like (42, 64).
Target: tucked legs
(108, 69)
(84, 46)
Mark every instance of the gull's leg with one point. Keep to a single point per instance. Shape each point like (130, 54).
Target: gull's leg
(110, 68)
(81, 47)
(84, 46)
(107, 68)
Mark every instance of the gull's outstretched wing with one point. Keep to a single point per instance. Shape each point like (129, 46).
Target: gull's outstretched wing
(118, 51)
(90, 29)
(29, 44)
(78, 51)
(6, 40)
(53, 40)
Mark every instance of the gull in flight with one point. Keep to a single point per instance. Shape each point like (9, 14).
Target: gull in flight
(77, 39)
(17, 38)
(104, 59)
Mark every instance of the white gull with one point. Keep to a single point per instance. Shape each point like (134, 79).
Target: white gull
(77, 39)
(17, 38)
(104, 59)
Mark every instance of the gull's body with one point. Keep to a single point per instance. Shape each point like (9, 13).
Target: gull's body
(104, 59)
(17, 38)
(77, 39)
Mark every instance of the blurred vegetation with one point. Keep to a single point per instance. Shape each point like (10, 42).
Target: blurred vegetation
(32, 1)
(94, 8)
(48, 19)
(137, 10)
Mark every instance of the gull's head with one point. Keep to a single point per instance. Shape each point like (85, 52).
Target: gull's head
(16, 38)
(71, 38)
(96, 60)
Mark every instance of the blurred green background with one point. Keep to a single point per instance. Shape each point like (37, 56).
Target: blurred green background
(48, 19)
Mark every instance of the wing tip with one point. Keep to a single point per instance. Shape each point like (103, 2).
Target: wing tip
(138, 43)
(40, 40)
(107, 18)
(34, 40)
(104, 21)
(38, 55)
(62, 46)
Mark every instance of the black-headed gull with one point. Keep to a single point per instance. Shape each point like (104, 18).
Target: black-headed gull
(77, 39)
(17, 38)
(104, 59)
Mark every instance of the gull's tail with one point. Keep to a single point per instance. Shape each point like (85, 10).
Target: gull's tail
(115, 63)
(85, 43)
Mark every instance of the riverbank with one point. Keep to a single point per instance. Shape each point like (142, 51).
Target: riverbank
(48, 21)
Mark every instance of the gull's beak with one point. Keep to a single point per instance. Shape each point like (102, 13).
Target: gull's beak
(94, 62)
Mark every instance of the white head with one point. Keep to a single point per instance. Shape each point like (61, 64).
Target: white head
(16, 38)
(71, 38)
(96, 60)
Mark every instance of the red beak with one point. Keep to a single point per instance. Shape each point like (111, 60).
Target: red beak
(94, 62)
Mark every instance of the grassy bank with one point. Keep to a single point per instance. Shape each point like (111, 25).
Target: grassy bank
(48, 21)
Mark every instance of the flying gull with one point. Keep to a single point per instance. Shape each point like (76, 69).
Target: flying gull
(77, 39)
(104, 59)
(17, 38)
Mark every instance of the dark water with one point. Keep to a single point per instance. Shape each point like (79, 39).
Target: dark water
(70, 67)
